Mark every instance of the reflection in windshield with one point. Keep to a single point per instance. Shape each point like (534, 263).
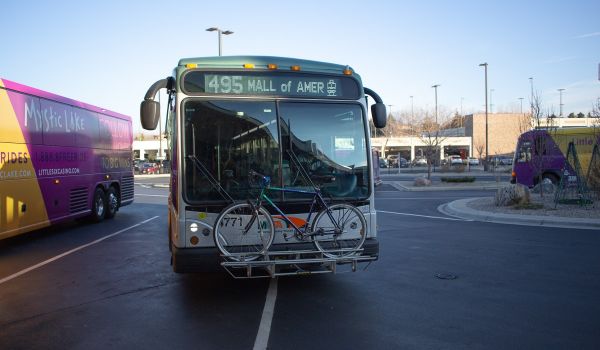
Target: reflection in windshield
(230, 138)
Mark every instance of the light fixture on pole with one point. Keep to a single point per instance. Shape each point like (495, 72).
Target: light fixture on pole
(218, 30)
(561, 103)
(436, 105)
(485, 164)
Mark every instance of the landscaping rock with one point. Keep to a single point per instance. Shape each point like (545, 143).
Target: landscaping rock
(547, 186)
(511, 195)
(421, 181)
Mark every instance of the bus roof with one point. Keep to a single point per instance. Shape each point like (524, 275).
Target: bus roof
(262, 62)
(566, 131)
(11, 85)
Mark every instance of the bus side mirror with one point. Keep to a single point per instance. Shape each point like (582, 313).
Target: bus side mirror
(379, 115)
(149, 114)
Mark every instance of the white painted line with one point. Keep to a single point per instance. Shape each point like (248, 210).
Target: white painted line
(416, 198)
(22, 272)
(158, 195)
(264, 329)
(422, 216)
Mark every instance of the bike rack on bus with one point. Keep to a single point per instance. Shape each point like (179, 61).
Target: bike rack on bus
(295, 262)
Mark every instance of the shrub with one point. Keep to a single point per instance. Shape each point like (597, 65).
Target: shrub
(458, 179)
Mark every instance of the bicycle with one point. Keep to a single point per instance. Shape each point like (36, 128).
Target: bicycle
(245, 231)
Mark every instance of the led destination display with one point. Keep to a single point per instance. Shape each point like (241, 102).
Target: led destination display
(310, 85)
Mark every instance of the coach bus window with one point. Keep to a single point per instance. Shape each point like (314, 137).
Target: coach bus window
(229, 138)
(524, 153)
(329, 142)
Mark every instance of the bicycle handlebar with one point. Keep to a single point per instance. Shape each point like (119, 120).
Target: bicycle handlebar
(266, 180)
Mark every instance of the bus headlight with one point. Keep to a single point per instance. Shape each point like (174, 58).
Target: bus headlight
(193, 227)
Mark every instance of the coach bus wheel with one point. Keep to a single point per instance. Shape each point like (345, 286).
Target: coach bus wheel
(552, 178)
(99, 205)
(112, 201)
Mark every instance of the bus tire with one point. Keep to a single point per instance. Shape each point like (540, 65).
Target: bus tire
(112, 202)
(552, 178)
(98, 205)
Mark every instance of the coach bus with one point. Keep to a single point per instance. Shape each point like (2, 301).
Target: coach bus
(246, 113)
(544, 152)
(60, 159)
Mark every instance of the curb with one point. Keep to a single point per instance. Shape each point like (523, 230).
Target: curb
(459, 209)
(401, 187)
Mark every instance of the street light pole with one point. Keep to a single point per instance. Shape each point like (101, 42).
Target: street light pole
(436, 105)
(491, 101)
(521, 98)
(531, 82)
(412, 108)
(390, 117)
(561, 103)
(218, 30)
(485, 164)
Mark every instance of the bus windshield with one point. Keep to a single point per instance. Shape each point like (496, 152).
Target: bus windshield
(230, 138)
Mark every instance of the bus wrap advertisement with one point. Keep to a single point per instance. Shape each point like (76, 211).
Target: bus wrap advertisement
(51, 146)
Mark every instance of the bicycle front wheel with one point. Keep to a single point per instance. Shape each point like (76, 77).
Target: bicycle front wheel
(339, 230)
(243, 234)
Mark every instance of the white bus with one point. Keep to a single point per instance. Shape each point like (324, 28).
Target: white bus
(228, 116)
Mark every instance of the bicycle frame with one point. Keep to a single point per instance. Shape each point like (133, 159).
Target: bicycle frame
(317, 199)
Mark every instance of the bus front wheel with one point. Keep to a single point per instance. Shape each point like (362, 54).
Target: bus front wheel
(98, 205)
(112, 201)
(553, 178)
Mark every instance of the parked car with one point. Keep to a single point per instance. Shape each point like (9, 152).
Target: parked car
(165, 166)
(403, 162)
(502, 160)
(383, 163)
(392, 160)
(454, 160)
(473, 161)
(149, 168)
(418, 161)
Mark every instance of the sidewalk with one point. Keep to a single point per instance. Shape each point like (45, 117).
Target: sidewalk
(459, 208)
(444, 186)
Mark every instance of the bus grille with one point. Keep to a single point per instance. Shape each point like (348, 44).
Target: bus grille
(78, 200)
(126, 188)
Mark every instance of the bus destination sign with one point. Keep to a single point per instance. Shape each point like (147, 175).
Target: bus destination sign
(272, 85)
(305, 85)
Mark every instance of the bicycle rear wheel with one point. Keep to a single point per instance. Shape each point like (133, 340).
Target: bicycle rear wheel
(339, 230)
(243, 234)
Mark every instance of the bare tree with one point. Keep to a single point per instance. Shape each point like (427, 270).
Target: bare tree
(479, 148)
(545, 125)
(431, 137)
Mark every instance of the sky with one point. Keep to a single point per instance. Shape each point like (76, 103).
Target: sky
(107, 53)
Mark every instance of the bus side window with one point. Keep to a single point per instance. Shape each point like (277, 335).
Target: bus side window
(524, 153)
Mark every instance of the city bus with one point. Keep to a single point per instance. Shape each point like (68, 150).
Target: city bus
(544, 152)
(240, 114)
(60, 159)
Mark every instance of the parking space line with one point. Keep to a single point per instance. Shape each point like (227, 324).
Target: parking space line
(46, 262)
(422, 216)
(264, 329)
